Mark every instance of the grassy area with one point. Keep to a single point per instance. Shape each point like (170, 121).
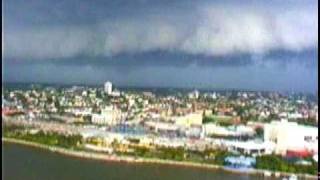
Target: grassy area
(55, 139)
(277, 163)
(220, 120)
(180, 154)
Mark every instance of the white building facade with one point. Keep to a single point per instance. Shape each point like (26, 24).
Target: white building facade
(291, 136)
(108, 87)
(109, 116)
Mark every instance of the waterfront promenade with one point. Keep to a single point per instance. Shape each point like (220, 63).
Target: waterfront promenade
(128, 159)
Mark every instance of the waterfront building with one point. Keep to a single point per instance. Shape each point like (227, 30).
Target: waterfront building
(251, 147)
(290, 136)
(234, 131)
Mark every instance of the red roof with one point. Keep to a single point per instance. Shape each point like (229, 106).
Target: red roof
(298, 153)
(6, 111)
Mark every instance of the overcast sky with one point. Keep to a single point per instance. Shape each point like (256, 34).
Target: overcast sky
(259, 45)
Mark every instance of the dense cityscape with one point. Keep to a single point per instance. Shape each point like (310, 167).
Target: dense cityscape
(239, 130)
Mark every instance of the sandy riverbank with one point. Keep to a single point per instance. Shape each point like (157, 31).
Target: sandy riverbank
(116, 158)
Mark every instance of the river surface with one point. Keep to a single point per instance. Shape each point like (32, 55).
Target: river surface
(29, 163)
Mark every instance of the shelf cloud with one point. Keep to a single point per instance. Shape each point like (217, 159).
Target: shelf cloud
(206, 29)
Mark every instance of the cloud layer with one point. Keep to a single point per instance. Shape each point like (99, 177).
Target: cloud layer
(211, 30)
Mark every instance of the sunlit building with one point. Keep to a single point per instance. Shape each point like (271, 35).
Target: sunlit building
(109, 115)
(108, 87)
(291, 137)
(189, 119)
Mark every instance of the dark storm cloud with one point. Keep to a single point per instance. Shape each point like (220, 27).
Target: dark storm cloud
(280, 71)
(108, 29)
(270, 75)
(264, 45)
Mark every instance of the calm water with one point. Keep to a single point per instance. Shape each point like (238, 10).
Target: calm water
(28, 163)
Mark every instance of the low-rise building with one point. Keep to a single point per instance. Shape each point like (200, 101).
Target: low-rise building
(189, 119)
(250, 147)
(291, 136)
(109, 115)
(241, 130)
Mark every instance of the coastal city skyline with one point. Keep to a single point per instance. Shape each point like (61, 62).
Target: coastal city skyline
(160, 89)
(264, 133)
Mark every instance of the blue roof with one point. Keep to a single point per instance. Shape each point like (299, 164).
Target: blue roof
(248, 161)
(131, 130)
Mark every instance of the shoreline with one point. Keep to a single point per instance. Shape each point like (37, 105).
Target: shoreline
(128, 159)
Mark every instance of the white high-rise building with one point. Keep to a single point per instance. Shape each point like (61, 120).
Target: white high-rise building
(194, 94)
(108, 87)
